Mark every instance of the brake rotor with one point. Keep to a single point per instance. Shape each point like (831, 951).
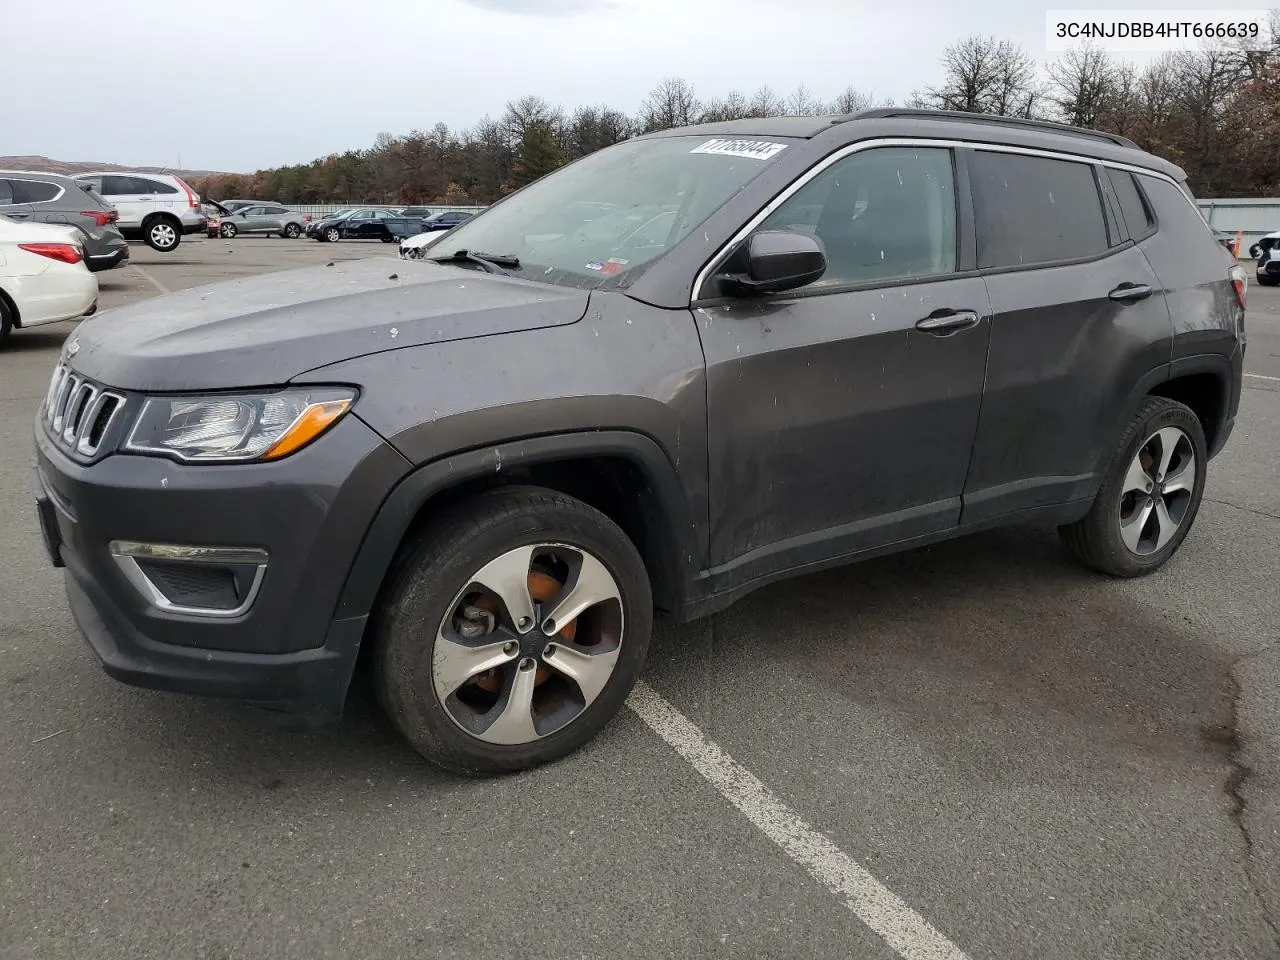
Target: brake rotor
(543, 587)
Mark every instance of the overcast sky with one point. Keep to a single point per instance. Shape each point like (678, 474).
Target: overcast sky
(239, 85)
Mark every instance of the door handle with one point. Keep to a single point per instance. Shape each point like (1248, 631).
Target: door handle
(946, 321)
(1128, 292)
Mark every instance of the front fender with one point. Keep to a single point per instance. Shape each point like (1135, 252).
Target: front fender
(408, 497)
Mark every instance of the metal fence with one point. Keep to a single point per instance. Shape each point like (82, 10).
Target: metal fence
(318, 210)
(1256, 217)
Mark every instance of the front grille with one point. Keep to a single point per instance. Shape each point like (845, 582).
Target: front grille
(78, 412)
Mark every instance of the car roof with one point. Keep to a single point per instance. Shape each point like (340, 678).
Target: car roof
(37, 173)
(938, 124)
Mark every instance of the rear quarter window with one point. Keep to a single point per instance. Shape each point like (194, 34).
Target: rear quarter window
(1179, 215)
(1137, 213)
(34, 191)
(1034, 210)
(156, 186)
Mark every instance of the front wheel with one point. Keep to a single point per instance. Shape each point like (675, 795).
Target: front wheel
(292, 231)
(512, 633)
(228, 230)
(163, 235)
(1150, 495)
(332, 235)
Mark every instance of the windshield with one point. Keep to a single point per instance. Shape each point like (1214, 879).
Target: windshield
(603, 218)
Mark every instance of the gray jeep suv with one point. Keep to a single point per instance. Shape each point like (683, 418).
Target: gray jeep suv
(32, 197)
(665, 375)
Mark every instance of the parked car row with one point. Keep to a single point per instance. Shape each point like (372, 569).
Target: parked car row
(368, 223)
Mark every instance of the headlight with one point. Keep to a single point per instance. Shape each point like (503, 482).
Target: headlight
(236, 428)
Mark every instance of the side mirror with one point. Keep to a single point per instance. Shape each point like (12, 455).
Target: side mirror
(779, 260)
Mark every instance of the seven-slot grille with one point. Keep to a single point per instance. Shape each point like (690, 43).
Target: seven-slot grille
(78, 412)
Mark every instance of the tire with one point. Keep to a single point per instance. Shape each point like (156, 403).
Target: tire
(1266, 281)
(333, 235)
(388, 239)
(162, 233)
(1255, 251)
(428, 583)
(292, 231)
(228, 230)
(1165, 433)
(7, 318)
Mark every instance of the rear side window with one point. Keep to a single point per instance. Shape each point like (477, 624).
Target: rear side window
(1133, 205)
(1035, 210)
(33, 191)
(113, 186)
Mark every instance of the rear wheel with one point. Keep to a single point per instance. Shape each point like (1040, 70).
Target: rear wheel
(292, 231)
(1150, 495)
(162, 233)
(512, 633)
(1267, 281)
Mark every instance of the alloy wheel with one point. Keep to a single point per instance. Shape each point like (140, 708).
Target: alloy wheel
(163, 235)
(1158, 490)
(528, 644)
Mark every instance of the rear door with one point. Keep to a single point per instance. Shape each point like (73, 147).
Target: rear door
(9, 206)
(272, 218)
(130, 196)
(41, 199)
(1080, 321)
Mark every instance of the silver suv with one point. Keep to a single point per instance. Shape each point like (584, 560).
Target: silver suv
(156, 207)
(31, 197)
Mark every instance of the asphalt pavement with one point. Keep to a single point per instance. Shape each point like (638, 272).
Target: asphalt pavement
(974, 750)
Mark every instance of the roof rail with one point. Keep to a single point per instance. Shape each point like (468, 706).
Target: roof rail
(1045, 125)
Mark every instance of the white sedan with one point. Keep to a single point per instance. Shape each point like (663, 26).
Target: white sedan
(43, 277)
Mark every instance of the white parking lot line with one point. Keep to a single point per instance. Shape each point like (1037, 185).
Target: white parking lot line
(1258, 376)
(150, 279)
(904, 930)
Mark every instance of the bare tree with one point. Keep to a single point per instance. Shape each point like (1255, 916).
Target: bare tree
(670, 104)
(801, 103)
(1204, 83)
(593, 128)
(850, 100)
(526, 112)
(732, 107)
(1082, 85)
(766, 103)
(986, 75)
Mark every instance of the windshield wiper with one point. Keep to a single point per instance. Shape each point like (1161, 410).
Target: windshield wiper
(492, 263)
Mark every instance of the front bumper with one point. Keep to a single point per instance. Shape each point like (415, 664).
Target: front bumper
(308, 512)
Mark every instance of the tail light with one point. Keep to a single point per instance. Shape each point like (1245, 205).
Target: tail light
(101, 218)
(65, 252)
(192, 201)
(307, 218)
(1240, 283)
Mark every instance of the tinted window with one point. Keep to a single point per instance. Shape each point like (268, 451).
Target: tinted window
(1133, 206)
(156, 186)
(274, 211)
(113, 186)
(882, 214)
(1035, 210)
(362, 215)
(6, 192)
(33, 191)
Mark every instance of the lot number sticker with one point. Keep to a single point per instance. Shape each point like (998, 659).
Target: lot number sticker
(751, 149)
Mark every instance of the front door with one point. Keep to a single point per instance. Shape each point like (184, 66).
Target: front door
(842, 414)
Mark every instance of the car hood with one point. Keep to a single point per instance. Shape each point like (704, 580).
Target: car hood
(266, 330)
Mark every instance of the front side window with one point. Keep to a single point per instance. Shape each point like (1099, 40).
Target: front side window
(1033, 210)
(882, 214)
(603, 218)
(6, 193)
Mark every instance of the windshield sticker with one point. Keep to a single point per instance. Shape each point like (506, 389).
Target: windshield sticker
(751, 149)
(595, 265)
(613, 266)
